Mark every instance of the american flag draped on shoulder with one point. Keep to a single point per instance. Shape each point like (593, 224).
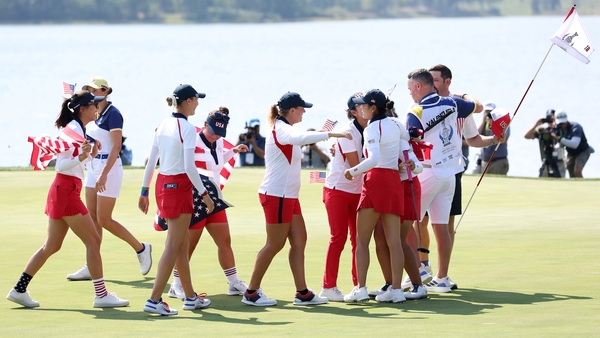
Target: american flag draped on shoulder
(45, 148)
(214, 192)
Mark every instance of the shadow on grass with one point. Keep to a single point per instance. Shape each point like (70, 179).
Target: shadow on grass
(120, 314)
(460, 302)
(146, 283)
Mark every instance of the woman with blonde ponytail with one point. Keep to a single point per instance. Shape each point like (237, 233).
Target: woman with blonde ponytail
(174, 142)
(278, 195)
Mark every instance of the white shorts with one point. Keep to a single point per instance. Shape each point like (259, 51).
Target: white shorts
(436, 196)
(114, 179)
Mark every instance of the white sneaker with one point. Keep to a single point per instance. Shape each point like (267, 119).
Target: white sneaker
(438, 285)
(237, 288)
(416, 292)
(195, 303)
(110, 300)
(145, 258)
(427, 268)
(426, 275)
(258, 299)
(310, 298)
(453, 286)
(381, 291)
(357, 295)
(392, 296)
(425, 278)
(81, 274)
(22, 298)
(333, 294)
(176, 291)
(406, 284)
(159, 307)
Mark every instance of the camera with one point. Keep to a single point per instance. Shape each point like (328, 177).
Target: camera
(549, 153)
(547, 120)
(250, 133)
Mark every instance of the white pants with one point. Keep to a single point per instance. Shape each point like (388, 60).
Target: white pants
(114, 179)
(436, 196)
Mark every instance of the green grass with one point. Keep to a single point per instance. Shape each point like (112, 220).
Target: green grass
(526, 260)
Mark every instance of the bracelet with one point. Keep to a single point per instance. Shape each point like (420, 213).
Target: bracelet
(204, 193)
(463, 96)
(144, 191)
(492, 141)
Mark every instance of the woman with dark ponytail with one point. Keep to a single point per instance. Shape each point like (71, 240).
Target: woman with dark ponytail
(278, 195)
(64, 207)
(382, 194)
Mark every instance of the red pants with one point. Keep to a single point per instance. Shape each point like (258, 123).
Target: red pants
(341, 212)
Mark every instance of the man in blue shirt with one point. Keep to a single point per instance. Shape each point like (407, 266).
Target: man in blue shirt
(571, 135)
(255, 157)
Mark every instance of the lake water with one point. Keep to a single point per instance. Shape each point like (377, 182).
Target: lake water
(247, 67)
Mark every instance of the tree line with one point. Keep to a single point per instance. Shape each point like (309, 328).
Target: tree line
(158, 11)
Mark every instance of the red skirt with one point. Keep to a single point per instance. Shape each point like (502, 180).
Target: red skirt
(64, 197)
(174, 195)
(409, 206)
(382, 190)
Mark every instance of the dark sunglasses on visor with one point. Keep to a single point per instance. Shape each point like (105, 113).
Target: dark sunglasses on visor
(219, 116)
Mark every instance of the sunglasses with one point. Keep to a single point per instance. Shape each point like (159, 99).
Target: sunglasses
(222, 117)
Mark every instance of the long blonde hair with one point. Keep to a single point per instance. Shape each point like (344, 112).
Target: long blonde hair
(275, 113)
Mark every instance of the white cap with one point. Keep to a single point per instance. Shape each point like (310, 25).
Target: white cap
(561, 116)
(489, 105)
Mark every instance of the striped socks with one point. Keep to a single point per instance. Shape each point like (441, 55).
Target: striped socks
(231, 275)
(99, 287)
(23, 282)
(176, 279)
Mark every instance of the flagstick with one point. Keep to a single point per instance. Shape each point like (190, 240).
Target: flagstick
(498, 145)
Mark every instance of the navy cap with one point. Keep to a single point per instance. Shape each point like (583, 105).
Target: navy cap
(550, 112)
(373, 97)
(291, 100)
(186, 91)
(89, 97)
(217, 126)
(351, 104)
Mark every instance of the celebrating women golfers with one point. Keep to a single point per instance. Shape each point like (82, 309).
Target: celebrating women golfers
(278, 194)
(210, 158)
(105, 176)
(382, 195)
(174, 142)
(64, 207)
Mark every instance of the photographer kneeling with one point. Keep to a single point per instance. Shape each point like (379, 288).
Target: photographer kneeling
(551, 151)
(255, 157)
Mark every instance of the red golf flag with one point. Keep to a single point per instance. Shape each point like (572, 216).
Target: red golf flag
(500, 121)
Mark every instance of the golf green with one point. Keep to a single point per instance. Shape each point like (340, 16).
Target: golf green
(525, 259)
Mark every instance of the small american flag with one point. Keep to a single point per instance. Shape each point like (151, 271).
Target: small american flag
(329, 125)
(68, 88)
(317, 176)
(45, 148)
(389, 92)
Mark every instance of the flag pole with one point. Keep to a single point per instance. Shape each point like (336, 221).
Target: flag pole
(498, 145)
